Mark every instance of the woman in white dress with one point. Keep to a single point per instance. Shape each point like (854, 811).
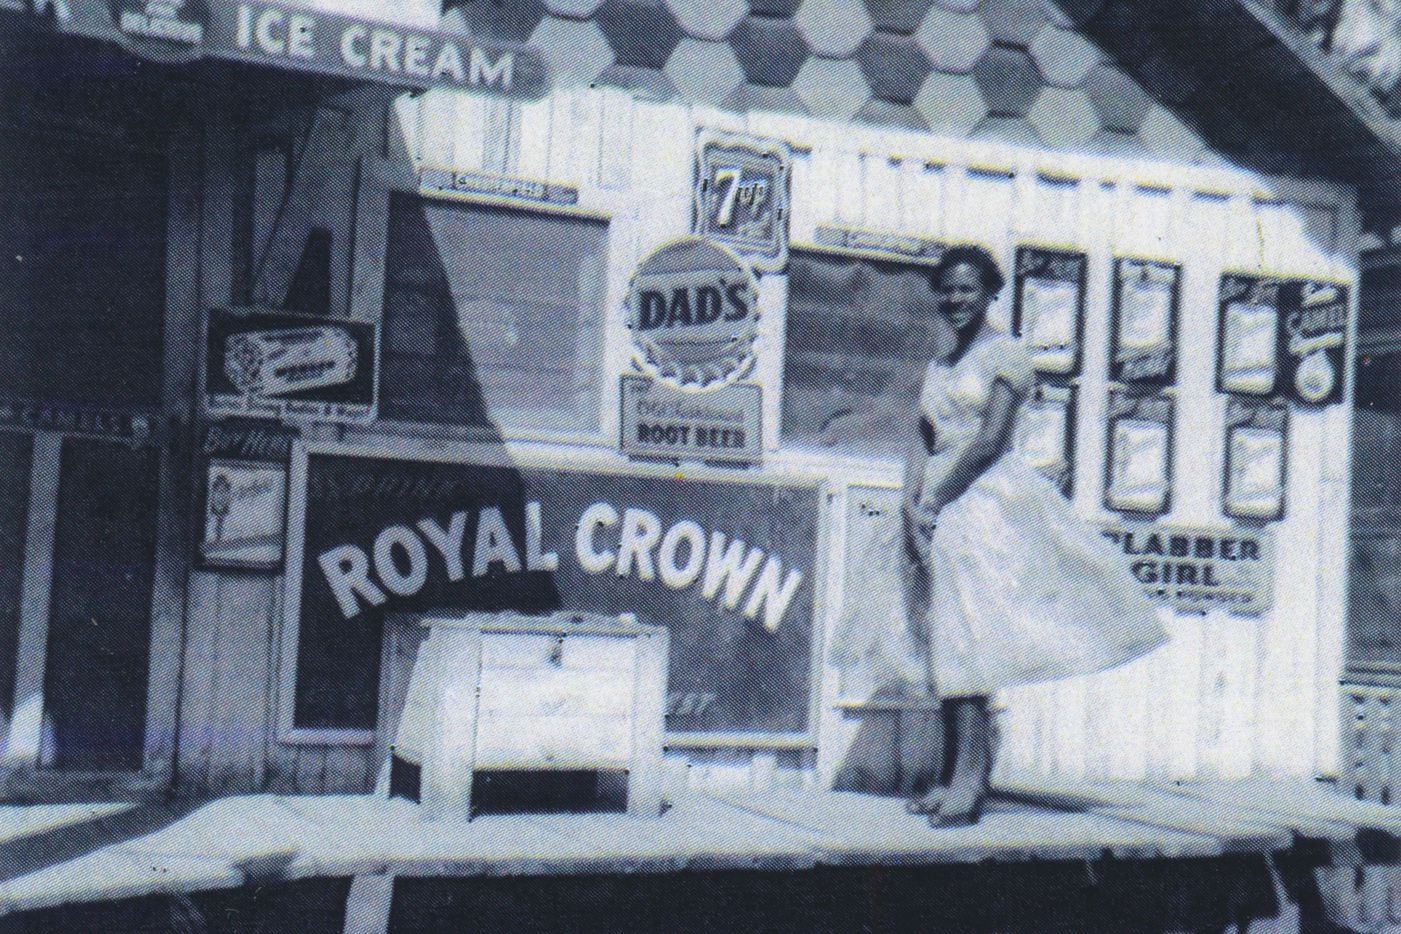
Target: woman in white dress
(1018, 588)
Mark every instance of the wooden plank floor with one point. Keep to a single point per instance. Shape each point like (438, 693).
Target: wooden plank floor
(56, 854)
(1236, 829)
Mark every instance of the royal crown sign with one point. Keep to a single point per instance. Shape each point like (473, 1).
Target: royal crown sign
(729, 565)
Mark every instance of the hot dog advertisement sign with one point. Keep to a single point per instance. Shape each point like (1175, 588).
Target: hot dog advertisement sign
(276, 364)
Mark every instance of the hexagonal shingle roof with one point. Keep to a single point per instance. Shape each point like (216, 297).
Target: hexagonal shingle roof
(1009, 81)
(833, 28)
(895, 66)
(950, 103)
(508, 22)
(1015, 22)
(708, 19)
(1121, 103)
(777, 8)
(643, 33)
(771, 51)
(999, 69)
(832, 88)
(1064, 57)
(953, 41)
(1117, 76)
(704, 72)
(576, 50)
(573, 9)
(898, 16)
(1064, 118)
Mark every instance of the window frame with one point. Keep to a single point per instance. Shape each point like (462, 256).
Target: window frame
(381, 181)
(838, 457)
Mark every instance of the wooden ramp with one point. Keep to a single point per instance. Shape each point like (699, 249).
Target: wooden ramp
(59, 855)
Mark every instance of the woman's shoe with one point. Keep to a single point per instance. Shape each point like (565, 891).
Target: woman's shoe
(972, 766)
(952, 821)
(928, 804)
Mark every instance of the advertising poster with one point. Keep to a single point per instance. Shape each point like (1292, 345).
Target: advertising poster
(1195, 570)
(245, 514)
(1314, 355)
(1046, 434)
(1247, 355)
(243, 496)
(1049, 307)
(1145, 322)
(692, 311)
(720, 425)
(1256, 454)
(741, 189)
(729, 568)
(277, 364)
(1282, 336)
(1139, 462)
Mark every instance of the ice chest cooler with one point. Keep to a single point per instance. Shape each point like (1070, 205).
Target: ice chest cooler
(509, 691)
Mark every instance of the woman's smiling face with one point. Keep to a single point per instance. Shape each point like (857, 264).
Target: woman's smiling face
(963, 300)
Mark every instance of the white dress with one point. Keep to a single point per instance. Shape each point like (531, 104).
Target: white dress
(1022, 588)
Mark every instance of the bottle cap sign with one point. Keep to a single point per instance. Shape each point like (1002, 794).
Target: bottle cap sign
(693, 314)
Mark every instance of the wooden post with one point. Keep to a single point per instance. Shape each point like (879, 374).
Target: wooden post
(446, 785)
(645, 775)
(170, 573)
(27, 720)
(367, 906)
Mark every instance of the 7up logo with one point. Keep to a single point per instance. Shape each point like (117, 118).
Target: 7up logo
(741, 196)
(732, 189)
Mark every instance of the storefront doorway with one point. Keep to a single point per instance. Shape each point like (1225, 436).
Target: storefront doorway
(87, 453)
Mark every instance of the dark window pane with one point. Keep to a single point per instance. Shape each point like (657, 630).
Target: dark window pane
(15, 453)
(1374, 586)
(492, 317)
(82, 271)
(100, 613)
(860, 334)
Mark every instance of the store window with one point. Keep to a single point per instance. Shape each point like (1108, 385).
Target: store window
(100, 609)
(82, 270)
(860, 334)
(492, 317)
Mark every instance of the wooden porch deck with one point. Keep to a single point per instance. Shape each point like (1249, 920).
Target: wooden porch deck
(52, 855)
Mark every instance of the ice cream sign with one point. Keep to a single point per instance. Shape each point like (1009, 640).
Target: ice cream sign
(296, 35)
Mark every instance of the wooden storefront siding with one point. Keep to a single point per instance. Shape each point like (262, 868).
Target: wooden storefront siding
(1231, 696)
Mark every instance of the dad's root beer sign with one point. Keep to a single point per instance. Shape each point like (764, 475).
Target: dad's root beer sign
(727, 567)
(692, 310)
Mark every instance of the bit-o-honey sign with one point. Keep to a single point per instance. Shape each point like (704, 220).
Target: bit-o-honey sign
(692, 310)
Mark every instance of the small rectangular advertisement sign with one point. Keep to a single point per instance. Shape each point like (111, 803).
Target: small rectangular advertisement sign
(722, 424)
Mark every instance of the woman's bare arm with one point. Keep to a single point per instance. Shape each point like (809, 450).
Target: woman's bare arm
(917, 519)
(916, 457)
(992, 440)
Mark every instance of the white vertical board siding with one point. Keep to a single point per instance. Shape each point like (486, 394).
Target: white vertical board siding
(1230, 695)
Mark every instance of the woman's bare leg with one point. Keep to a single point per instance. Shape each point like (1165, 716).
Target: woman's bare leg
(972, 766)
(941, 754)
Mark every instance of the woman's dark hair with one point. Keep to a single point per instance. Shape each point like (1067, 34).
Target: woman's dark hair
(977, 257)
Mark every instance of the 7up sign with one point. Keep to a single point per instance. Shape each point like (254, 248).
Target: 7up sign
(741, 196)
